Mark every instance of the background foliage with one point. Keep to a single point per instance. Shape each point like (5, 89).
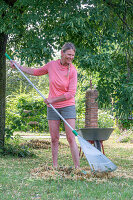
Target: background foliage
(25, 107)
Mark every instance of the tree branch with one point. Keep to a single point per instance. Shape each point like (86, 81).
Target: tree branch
(113, 6)
(124, 22)
(10, 2)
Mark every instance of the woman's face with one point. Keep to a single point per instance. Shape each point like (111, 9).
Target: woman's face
(67, 57)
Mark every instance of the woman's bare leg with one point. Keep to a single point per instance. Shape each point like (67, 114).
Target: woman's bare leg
(54, 132)
(71, 139)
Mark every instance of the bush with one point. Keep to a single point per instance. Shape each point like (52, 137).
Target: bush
(126, 136)
(13, 147)
(117, 131)
(28, 114)
(105, 120)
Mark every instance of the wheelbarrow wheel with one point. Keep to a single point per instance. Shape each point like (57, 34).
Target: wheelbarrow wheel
(97, 144)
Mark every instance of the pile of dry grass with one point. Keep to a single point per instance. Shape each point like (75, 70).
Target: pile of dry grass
(41, 144)
(48, 172)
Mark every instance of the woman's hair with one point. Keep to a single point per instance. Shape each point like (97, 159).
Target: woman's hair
(68, 46)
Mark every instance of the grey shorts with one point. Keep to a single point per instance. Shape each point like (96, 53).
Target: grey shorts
(68, 112)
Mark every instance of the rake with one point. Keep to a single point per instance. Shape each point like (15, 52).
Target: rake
(97, 160)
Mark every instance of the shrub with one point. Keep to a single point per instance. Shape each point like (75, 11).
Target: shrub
(105, 120)
(27, 110)
(117, 131)
(13, 147)
(126, 136)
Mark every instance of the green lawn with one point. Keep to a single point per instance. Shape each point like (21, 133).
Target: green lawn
(18, 182)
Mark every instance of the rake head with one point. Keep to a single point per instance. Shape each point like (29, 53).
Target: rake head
(97, 160)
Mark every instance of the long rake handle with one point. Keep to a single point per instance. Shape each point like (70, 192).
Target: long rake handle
(74, 131)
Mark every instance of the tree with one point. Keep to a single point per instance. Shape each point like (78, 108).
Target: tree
(107, 49)
(34, 29)
(115, 71)
(100, 29)
(3, 41)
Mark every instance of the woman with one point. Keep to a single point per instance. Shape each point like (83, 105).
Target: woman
(62, 89)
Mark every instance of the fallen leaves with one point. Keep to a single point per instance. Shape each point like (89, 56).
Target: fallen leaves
(40, 144)
(48, 172)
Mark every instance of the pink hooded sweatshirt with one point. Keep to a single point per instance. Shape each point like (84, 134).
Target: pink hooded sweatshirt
(61, 81)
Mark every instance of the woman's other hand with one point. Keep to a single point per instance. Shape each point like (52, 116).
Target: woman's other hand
(48, 101)
(55, 99)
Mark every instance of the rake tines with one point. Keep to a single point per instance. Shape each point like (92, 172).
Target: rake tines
(97, 160)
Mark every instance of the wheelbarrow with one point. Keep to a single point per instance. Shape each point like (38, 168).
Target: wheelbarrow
(95, 136)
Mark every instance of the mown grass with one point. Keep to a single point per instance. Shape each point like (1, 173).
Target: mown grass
(18, 183)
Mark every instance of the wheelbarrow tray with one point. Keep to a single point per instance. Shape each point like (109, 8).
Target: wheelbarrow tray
(95, 133)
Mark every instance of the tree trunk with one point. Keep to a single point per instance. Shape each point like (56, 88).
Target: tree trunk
(3, 42)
